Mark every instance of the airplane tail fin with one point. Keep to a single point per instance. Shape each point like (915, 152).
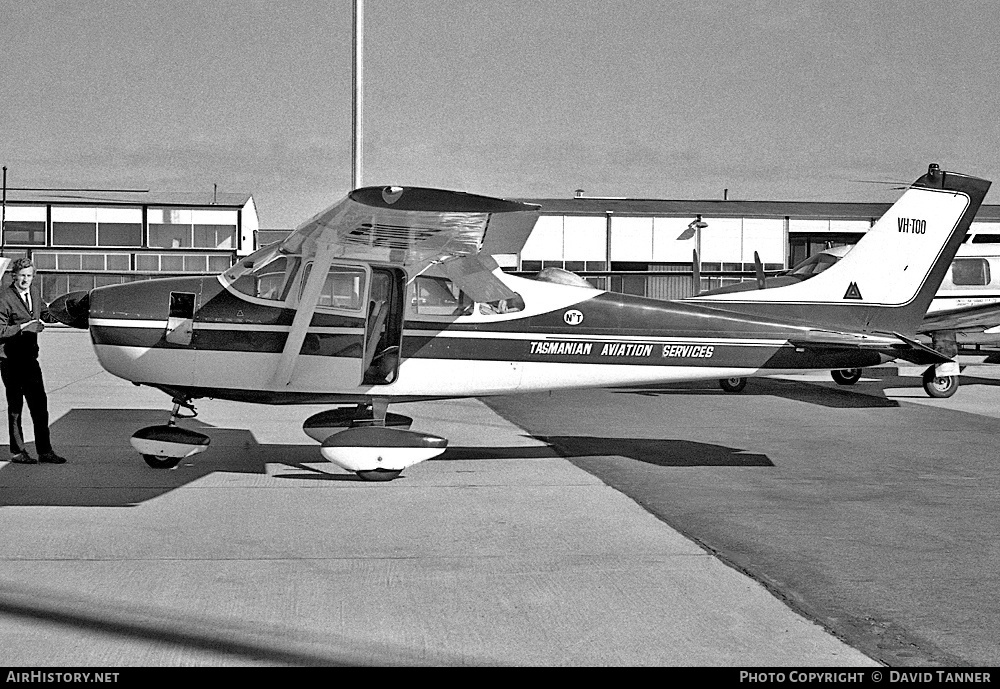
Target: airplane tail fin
(887, 281)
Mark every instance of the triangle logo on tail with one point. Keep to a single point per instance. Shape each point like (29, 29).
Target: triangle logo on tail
(853, 292)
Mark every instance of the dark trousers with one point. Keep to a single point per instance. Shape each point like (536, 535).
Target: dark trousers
(22, 380)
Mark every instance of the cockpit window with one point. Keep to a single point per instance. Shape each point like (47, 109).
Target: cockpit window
(268, 274)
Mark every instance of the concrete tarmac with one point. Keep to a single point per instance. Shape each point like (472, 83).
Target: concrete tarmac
(257, 552)
(870, 509)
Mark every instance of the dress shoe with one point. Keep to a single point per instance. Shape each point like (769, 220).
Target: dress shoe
(23, 458)
(51, 458)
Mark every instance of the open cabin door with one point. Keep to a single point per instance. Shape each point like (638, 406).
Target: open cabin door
(383, 326)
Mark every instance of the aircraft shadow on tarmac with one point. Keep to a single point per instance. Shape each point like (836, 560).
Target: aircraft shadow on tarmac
(104, 471)
(866, 394)
(201, 633)
(664, 453)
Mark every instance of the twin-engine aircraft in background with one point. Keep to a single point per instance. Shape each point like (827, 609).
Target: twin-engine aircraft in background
(965, 310)
(392, 296)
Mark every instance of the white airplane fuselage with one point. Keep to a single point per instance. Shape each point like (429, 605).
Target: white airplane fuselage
(564, 337)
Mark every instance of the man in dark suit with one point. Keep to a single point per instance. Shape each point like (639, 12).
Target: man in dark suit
(21, 309)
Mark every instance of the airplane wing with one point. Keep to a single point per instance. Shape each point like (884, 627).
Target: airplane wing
(979, 318)
(413, 227)
(407, 226)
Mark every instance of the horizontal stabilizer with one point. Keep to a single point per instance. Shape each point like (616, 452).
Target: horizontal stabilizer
(927, 355)
(895, 347)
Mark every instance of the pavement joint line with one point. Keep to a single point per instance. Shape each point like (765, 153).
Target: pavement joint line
(74, 382)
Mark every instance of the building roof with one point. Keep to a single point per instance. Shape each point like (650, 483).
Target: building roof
(130, 198)
(720, 209)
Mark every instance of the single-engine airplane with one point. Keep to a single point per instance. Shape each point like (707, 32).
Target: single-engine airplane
(391, 295)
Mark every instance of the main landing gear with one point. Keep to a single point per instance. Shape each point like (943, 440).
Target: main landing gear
(942, 380)
(369, 441)
(734, 384)
(163, 447)
(846, 376)
(937, 385)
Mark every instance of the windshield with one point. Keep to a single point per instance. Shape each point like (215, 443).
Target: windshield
(814, 265)
(265, 274)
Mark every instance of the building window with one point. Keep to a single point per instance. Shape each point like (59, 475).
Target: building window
(219, 263)
(53, 286)
(74, 234)
(215, 236)
(214, 229)
(147, 262)
(68, 260)
(171, 264)
(195, 264)
(180, 228)
(119, 226)
(74, 227)
(169, 228)
(118, 261)
(120, 234)
(44, 260)
(24, 225)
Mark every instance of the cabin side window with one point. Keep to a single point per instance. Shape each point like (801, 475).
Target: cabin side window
(968, 272)
(437, 296)
(344, 288)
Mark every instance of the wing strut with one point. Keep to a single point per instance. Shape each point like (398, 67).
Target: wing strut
(303, 317)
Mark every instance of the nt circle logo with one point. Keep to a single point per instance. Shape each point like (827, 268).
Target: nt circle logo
(573, 317)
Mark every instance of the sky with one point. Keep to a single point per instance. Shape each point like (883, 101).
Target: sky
(770, 100)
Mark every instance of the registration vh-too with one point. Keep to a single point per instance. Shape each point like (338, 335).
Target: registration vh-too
(391, 295)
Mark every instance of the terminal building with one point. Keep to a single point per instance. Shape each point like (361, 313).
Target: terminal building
(83, 240)
(648, 247)
(644, 247)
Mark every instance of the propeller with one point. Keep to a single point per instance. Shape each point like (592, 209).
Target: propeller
(72, 309)
(758, 269)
